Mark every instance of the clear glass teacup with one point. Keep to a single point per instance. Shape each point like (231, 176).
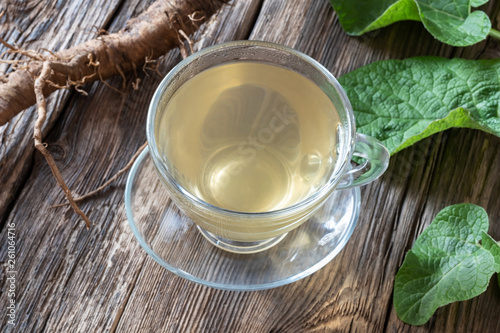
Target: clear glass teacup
(238, 158)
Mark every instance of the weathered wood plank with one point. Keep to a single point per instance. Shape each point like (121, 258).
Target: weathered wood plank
(53, 25)
(70, 279)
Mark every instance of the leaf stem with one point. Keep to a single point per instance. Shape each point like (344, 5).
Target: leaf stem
(494, 33)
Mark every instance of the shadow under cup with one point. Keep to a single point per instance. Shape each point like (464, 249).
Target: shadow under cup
(240, 229)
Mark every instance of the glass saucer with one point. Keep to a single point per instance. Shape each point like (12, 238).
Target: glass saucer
(175, 242)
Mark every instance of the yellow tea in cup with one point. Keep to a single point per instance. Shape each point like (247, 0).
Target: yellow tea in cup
(249, 137)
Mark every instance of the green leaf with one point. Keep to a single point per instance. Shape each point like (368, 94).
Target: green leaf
(446, 264)
(491, 245)
(477, 3)
(452, 22)
(401, 102)
(358, 17)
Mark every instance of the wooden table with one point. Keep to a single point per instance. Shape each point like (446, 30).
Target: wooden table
(70, 279)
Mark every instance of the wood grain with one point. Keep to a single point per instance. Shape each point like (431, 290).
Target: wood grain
(74, 280)
(53, 25)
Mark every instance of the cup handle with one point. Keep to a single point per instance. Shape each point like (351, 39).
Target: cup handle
(376, 161)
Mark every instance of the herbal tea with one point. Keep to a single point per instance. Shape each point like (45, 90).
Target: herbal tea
(249, 137)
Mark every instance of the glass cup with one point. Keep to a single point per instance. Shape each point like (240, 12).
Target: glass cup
(249, 232)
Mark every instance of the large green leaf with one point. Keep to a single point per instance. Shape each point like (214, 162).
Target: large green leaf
(452, 22)
(491, 245)
(403, 101)
(446, 264)
(358, 17)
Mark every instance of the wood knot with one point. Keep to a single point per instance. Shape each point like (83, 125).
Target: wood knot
(57, 151)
